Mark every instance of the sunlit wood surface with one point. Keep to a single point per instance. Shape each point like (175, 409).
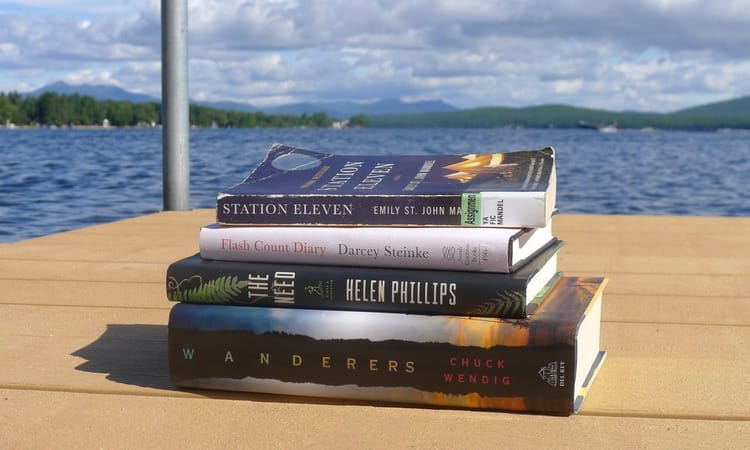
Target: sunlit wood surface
(83, 349)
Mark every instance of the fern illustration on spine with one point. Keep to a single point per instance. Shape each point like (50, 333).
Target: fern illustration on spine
(195, 290)
(506, 304)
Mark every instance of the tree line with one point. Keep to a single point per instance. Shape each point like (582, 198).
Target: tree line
(562, 116)
(52, 109)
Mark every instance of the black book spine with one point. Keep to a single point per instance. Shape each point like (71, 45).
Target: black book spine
(195, 280)
(232, 348)
(329, 209)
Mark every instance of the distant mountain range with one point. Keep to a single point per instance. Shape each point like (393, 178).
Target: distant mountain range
(341, 109)
(735, 107)
(733, 113)
(338, 110)
(714, 116)
(98, 91)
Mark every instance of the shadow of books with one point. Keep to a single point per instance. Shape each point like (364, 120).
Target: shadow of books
(136, 355)
(129, 354)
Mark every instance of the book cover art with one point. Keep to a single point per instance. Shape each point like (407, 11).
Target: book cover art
(197, 280)
(297, 186)
(539, 364)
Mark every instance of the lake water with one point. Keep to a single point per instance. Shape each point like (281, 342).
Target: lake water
(56, 180)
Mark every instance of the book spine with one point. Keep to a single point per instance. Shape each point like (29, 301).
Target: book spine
(485, 250)
(194, 280)
(488, 209)
(435, 360)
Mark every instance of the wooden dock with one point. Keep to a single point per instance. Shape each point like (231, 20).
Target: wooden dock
(83, 349)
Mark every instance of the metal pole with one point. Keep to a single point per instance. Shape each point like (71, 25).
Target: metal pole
(175, 105)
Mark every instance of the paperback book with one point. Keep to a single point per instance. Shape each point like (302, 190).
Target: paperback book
(439, 248)
(545, 363)
(197, 280)
(294, 186)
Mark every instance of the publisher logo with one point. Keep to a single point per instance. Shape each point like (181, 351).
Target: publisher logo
(553, 373)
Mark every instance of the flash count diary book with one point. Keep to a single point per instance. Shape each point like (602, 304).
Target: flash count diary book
(442, 248)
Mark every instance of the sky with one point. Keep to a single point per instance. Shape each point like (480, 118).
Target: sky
(642, 55)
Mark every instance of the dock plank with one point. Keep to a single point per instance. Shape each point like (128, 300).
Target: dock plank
(83, 348)
(85, 420)
(83, 326)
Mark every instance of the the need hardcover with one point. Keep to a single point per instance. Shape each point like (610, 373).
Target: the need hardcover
(197, 280)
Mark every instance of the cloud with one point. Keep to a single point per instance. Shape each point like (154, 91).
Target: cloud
(646, 54)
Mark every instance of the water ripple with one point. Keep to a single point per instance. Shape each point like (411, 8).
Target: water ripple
(55, 180)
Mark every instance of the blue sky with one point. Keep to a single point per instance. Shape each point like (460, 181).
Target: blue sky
(647, 55)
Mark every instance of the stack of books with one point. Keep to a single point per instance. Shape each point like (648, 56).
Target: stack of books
(424, 279)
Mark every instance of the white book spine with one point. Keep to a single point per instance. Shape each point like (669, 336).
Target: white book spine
(438, 248)
(513, 208)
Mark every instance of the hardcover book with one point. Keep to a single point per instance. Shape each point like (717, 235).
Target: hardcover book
(440, 248)
(545, 363)
(294, 186)
(196, 280)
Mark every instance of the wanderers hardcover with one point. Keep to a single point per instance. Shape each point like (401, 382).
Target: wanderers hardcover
(294, 186)
(516, 294)
(545, 363)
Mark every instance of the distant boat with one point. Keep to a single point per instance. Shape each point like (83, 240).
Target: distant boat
(611, 128)
(339, 125)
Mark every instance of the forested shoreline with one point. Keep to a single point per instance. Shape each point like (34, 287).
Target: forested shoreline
(564, 116)
(59, 110)
(51, 109)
